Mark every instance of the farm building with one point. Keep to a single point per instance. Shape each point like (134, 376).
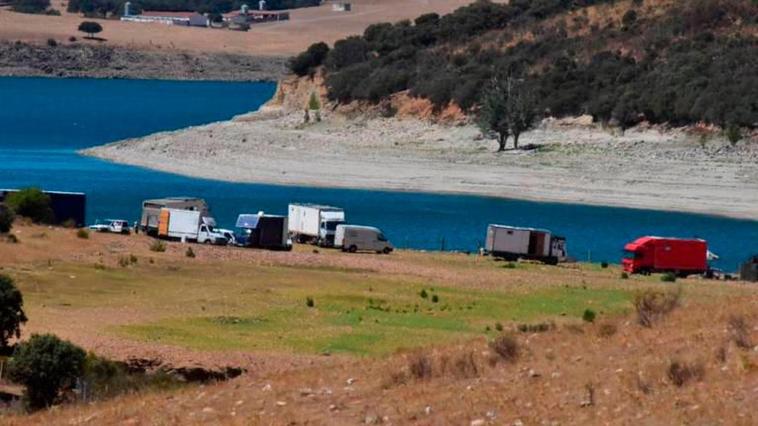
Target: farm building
(188, 19)
(342, 7)
(249, 17)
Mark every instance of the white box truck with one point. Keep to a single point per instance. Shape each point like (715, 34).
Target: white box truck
(314, 223)
(151, 209)
(512, 243)
(188, 225)
(353, 238)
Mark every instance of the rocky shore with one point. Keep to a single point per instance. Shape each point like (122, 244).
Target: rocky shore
(83, 59)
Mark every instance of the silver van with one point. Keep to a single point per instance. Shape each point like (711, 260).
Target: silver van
(353, 238)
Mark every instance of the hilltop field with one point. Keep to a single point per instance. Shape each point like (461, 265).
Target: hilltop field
(372, 348)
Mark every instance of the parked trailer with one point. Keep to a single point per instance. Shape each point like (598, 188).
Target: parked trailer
(353, 238)
(151, 210)
(68, 207)
(314, 223)
(512, 243)
(650, 254)
(263, 231)
(188, 225)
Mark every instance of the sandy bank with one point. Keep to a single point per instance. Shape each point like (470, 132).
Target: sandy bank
(575, 163)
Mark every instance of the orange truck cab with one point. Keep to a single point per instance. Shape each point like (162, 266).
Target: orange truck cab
(658, 254)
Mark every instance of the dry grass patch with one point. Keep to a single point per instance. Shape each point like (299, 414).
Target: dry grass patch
(652, 305)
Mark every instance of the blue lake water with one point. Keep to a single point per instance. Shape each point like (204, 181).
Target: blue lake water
(44, 121)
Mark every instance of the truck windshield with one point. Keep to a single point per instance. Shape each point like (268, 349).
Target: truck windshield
(330, 226)
(632, 254)
(381, 237)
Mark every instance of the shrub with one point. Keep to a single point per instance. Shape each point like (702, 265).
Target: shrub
(498, 326)
(31, 203)
(30, 6)
(739, 332)
(51, 42)
(668, 277)
(535, 328)
(604, 265)
(190, 253)
(680, 372)
(82, 233)
(465, 366)
(11, 311)
(509, 265)
(624, 276)
(435, 298)
(309, 302)
(733, 134)
(588, 315)
(158, 246)
(423, 293)
(346, 52)
(652, 305)
(506, 347)
(6, 219)
(46, 365)
(125, 261)
(307, 62)
(106, 378)
(11, 239)
(72, 39)
(629, 18)
(420, 366)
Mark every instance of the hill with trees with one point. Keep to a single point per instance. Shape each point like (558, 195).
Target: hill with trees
(661, 61)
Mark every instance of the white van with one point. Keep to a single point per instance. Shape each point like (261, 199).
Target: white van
(366, 238)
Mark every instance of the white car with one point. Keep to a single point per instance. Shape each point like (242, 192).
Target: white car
(116, 226)
(229, 234)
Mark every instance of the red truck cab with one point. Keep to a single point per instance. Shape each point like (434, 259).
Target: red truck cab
(657, 254)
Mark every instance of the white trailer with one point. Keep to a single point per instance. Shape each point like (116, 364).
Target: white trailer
(188, 225)
(314, 223)
(151, 209)
(512, 243)
(353, 238)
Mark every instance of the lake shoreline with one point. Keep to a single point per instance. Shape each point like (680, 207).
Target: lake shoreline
(568, 164)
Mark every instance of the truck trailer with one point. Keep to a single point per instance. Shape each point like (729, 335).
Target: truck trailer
(151, 210)
(188, 225)
(650, 254)
(314, 223)
(513, 243)
(263, 231)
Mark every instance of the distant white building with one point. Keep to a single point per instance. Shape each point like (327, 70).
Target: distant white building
(189, 19)
(342, 7)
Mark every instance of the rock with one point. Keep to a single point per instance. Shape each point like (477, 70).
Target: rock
(350, 381)
(281, 403)
(428, 410)
(266, 388)
(208, 410)
(306, 392)
(477, 422)
(533, 373)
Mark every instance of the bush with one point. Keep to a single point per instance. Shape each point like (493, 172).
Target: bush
(11, 312)
(30, 6)
(309, 302)
(6, 219)
(420, 366)
(435, 298)
(307, 62)
(733, 134)
(51, 42)
(190, 253)
(680, 372)
(106, 378)
(423, 293)
(588, 315)
(498, 326)
(12, 239)
(125, 261)
(91, 28)
(46, 365)
(668, 277)
(604, 265)
(31, 203)
(624, 276)
(740, 332)
(652, 305)
(158, 246)
(506, 347)
(72, 39)
(82, 233)
(606, 330)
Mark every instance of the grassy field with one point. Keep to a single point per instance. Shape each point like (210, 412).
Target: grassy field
(236, 306)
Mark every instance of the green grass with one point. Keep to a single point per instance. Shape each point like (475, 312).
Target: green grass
(236, 306)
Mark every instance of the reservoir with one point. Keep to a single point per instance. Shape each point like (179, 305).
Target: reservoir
(44, 121)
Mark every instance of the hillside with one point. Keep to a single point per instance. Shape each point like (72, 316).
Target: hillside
(623, 62)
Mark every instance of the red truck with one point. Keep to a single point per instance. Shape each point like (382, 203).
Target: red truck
(657, 254)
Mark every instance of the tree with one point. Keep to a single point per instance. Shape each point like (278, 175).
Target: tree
(11, 312)
(30, 6)
(521, 110)
(91, 28)
(493, 112)
(31, 203)
(306, 62)
(6, 219)
(46, 365)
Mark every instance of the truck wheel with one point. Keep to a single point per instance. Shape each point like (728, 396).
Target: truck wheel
(387, 250)
(352, 249)
(209, 242)
(551, 261)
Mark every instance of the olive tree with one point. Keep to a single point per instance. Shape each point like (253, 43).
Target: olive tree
(521, 110)
(46, 365)
(11, 311)
(493, 112)
(91, 28)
